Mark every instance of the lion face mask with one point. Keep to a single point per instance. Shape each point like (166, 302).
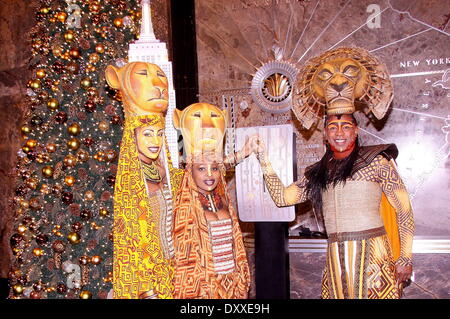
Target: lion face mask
(203, 127)
(339, 81)
(144, 87)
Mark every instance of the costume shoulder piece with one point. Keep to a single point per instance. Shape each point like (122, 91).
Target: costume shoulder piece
(367, 154)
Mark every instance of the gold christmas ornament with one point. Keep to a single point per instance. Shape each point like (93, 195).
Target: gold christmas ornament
(74, 53)
(69, 35)
(94, 58)
(31, 143)
(25, 129)
(69, 180)
(32, 183)
(50, 147)
(85, 295)
(26, 149)
(74, 238)
(21, 228)
(53, 104)
(86, 83)
(34, 84)
(100, 48)
(47, 171)
(95, 260)
(118, 22)
(74, 129)
(70, 160)
(62, 16)
(40, 73)
(17, 289)
(38, 252)
(103, 212)
(73, 144)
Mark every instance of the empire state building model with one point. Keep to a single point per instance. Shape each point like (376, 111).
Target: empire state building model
(149, 49)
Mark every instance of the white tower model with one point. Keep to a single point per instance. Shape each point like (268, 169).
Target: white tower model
(149, 49)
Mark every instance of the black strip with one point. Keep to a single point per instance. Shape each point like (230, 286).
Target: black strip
(184, 52)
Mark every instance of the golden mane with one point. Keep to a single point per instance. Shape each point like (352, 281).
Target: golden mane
(308, 106)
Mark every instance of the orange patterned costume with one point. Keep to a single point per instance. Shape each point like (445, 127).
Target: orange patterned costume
(195, 273)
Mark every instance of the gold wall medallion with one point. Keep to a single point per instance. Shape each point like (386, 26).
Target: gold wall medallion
(272, 86)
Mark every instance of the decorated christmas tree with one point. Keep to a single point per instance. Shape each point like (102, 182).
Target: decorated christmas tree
(61, 241)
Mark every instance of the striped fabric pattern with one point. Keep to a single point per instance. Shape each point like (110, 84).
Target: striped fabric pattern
(221, 235)
(360, 269)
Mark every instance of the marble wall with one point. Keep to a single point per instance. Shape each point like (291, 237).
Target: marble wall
(430, 272)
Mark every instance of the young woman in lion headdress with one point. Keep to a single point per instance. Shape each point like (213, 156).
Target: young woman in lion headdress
(210, 258)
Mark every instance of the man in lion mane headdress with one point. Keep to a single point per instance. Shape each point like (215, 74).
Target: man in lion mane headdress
(365, 205)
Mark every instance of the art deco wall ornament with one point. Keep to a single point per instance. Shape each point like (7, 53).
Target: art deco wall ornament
(272, 86)
(340, 81)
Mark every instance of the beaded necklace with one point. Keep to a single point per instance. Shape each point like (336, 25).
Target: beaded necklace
(151, 172)
(211, 201)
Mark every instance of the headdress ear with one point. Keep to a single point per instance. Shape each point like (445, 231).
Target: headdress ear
(112, 77)
(177, 118)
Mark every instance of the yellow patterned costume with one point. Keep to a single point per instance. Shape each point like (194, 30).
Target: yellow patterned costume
(140, 264)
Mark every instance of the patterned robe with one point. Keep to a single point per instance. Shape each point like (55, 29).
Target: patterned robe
(142, 261)
(195, 274)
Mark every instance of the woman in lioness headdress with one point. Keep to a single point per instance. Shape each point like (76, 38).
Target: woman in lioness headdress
(145, 184)
(210, 258)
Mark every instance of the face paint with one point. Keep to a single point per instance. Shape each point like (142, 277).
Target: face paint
(149, 141)
(341, 134)
(206, 176)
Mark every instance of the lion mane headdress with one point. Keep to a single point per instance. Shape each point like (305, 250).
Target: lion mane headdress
(340, 81)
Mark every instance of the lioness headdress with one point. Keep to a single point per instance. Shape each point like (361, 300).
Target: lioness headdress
(203, 128)
(340, 80)
(144, 87)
